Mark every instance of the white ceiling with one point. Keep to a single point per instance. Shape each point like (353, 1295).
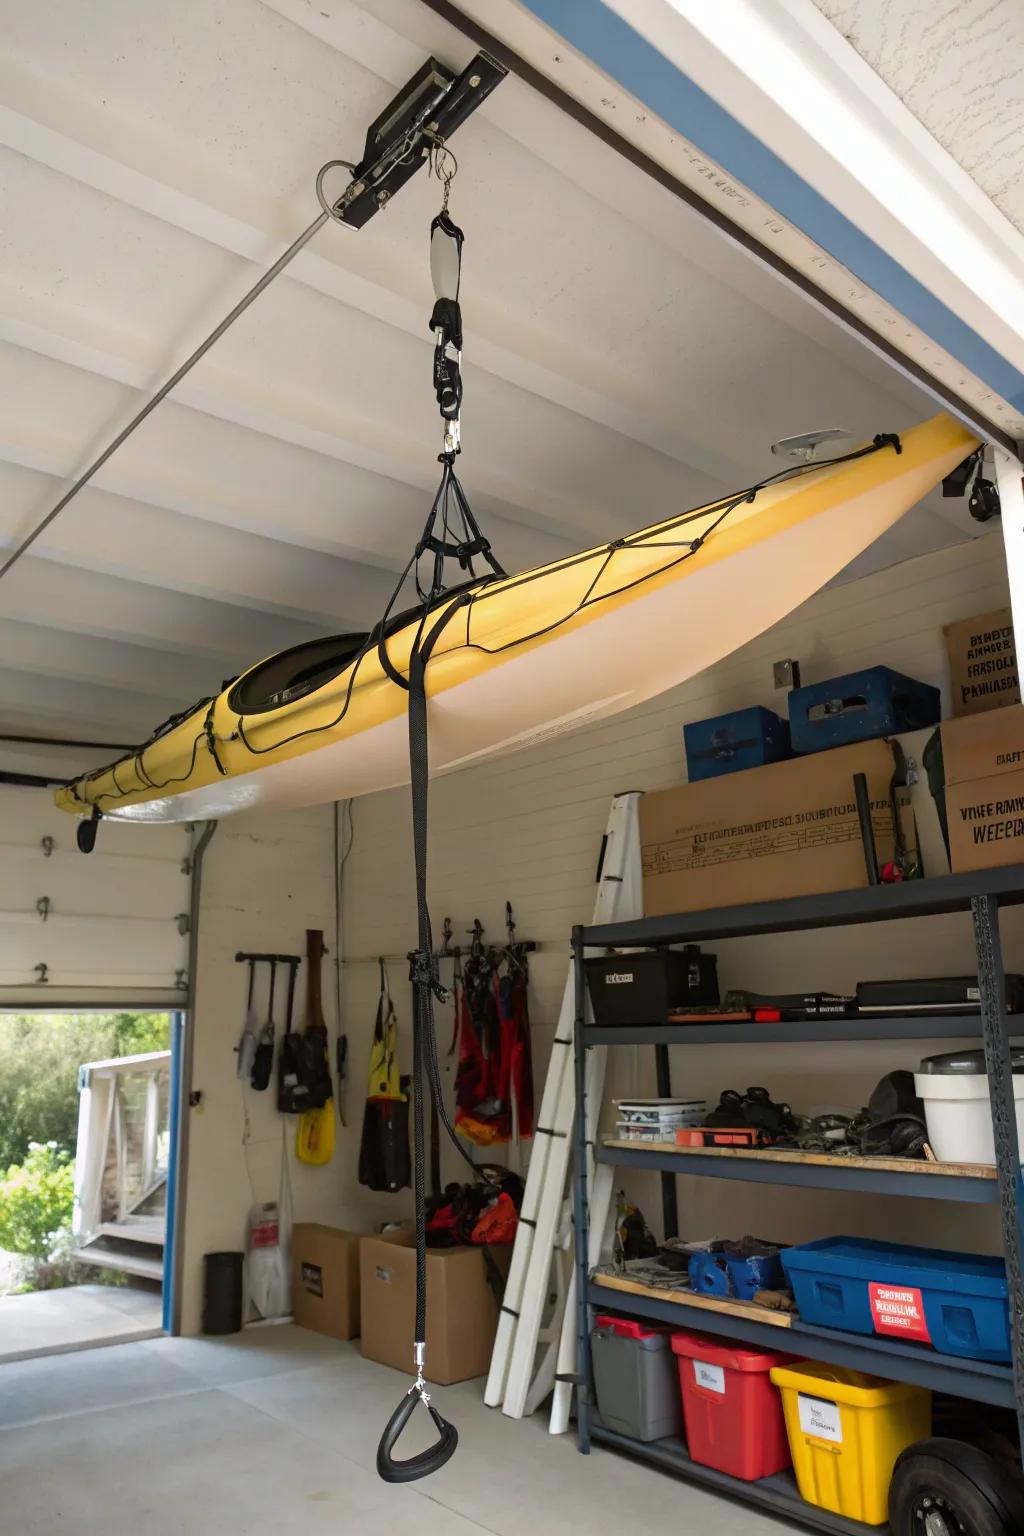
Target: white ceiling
(622, 361)
(957, 64)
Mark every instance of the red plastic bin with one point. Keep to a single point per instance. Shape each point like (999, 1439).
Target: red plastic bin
(733, 1414)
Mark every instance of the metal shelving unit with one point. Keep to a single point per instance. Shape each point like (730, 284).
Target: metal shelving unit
(981, 895)
(838, 1173)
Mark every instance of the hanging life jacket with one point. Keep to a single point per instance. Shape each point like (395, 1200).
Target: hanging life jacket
(494, 1080)
(384, 1162)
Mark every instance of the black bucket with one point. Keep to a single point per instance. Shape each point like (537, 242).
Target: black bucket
(222, 1292)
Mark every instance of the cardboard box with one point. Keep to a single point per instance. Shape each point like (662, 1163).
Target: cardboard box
(787, 829)
(983, 758)
(325, 1279)
(982, 663)
(462, 1312)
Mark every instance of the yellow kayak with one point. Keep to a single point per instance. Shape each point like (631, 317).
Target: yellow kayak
(521, 658)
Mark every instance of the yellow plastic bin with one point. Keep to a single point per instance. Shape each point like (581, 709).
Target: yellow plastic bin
(845, 1432)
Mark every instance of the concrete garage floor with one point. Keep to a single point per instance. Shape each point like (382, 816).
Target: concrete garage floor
(77, 1317)
(274, 1433)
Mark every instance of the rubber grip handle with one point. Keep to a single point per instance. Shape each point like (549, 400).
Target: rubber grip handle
(425, 1462)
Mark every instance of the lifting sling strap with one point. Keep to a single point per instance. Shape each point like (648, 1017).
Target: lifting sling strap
(446, 322)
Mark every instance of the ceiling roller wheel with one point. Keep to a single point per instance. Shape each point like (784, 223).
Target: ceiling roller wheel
(950, 1488)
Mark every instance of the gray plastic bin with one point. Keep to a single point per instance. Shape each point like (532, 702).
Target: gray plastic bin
(635, 1379)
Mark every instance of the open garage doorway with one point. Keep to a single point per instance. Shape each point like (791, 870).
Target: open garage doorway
(85, 1170)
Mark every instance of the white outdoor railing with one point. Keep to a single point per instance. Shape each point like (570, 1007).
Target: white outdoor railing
(123, 1143)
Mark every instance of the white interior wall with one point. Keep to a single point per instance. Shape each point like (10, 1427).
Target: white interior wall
(526, 828)
(266, 879)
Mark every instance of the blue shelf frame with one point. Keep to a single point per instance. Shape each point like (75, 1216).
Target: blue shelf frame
(980, 895)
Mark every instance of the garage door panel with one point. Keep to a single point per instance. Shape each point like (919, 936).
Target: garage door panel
(76, 884)
(108, 924)
(29, 815)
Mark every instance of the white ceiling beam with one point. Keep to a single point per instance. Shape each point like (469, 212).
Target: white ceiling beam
(88, 603)
(42, 651)
(124, 537)
(45, 121)
(59, 707)
(209, 469)
(387, 448)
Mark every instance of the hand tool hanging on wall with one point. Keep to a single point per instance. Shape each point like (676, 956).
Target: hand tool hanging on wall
(291, 1090)
(246, 1047)
(252, 1036)
(314, 1138)
(341, 1067)
(384, 1146)
(263, 1061)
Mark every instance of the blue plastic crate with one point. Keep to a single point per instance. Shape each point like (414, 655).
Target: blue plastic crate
(957, 1302)
(859, 707)
(744, 738)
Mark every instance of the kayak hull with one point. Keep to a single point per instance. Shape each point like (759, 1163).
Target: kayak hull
(537, 664)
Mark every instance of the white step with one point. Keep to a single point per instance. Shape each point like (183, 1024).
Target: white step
(137, 1229)
(102, 1257)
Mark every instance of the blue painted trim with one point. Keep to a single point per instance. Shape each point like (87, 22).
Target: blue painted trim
(639, 68)
(173, 1134)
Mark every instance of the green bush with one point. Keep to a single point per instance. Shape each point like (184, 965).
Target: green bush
(36, 1202)
(39, 1059)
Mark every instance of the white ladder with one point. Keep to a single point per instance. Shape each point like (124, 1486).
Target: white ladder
(538, 1309)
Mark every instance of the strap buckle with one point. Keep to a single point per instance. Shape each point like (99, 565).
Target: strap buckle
(423, 973)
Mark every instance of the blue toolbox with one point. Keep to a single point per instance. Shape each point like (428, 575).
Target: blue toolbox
(859, 707)
(745, 738)
(956, 1302)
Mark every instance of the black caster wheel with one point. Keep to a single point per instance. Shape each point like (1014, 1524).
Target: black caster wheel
(950, 1488)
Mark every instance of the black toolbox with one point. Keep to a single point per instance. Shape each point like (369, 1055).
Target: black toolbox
(646, 986)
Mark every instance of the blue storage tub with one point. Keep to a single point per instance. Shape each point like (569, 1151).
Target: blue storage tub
(956, 1302)
(859, 707)
(745, 738)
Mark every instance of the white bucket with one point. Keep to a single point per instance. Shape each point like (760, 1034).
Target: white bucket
(959, 1115)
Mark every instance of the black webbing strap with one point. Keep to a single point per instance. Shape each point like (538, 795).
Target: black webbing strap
(426, 1077)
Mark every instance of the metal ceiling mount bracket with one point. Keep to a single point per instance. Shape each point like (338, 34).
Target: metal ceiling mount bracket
(427, 110)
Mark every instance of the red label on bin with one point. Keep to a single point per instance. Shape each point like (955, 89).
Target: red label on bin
(898, 1310)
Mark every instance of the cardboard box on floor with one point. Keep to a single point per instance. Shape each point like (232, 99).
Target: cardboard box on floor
(983, 760)
(325, 1279)
(982, 663)
(787, 829)
(462, 1313)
